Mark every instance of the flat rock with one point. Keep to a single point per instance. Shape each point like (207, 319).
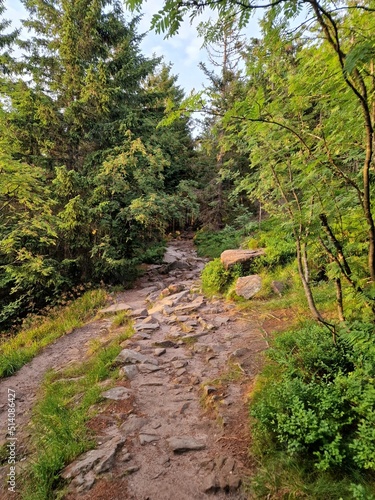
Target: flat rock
(146, 326)
(132, 425)
(171, 256)
(177, 297)
(99, 460)
(238, 256)
(128, 356)
(148, 438)
(180, 372)
(165, 343)
(224, 476)
(139, 313)
(119, 306)
(178, 265)
(148, 368)
(160, 351)
(185, 443)
(150, 320)
(117, 393)
(138, 336)
(220, 320)
(192, 306)
(179, 363)
(130, 371)
(248, 286)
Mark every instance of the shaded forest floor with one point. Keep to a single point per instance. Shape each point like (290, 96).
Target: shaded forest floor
(178, 418)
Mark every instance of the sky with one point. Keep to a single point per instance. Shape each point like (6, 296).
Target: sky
(183, 50)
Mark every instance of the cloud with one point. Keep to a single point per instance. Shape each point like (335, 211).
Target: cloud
(194, 51)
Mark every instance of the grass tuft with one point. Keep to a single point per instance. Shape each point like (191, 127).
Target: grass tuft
(59, 430)
(15, 352)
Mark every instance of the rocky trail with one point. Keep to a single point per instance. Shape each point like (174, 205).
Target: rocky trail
(176, 425)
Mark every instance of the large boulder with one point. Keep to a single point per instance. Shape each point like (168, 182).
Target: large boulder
(231, 257)
(248, 286)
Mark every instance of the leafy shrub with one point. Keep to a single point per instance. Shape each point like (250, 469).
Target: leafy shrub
(217, 279)
(317, 399)
(211, 244)
(280, 249)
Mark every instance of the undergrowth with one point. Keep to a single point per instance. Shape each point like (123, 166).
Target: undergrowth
(313, 415)
(16, 351)
(212, 243)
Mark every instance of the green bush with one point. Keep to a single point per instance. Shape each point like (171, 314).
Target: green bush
(317, 399)
(217, 279)
(280, 249)
(212, 243)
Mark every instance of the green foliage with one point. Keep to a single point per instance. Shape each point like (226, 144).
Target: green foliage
(212, 243)
(90, 184)
(280, 248)
(217, 279)
(316, 401)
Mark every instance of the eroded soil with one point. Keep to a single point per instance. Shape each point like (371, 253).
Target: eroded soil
(178, 426)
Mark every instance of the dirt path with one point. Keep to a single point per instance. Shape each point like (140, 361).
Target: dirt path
(176, 427)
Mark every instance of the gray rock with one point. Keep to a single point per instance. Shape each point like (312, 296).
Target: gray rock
(132, 357)
(248, 286)
(139, 313)
(220, 320)
(177, 297)
(120, 306)
(171, 256)
(192, 306)
(185, 443)
(150, 320)
(148, 438)
(146, 326)
(130, 470)
(224, 476)
(179, 363)
(132, 425)
(180, 372)
(117, 393)
(99, 460)
(231, 257)
(165, 343)
(148, 368)
(130, 371)
(84, 482)
(125, 457)
(160, 351)
(139, 336)
(178, 265)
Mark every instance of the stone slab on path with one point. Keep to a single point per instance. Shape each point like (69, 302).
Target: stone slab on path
(181, 444)
(114, 308)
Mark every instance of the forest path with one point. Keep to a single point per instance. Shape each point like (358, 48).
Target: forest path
(177, 425)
